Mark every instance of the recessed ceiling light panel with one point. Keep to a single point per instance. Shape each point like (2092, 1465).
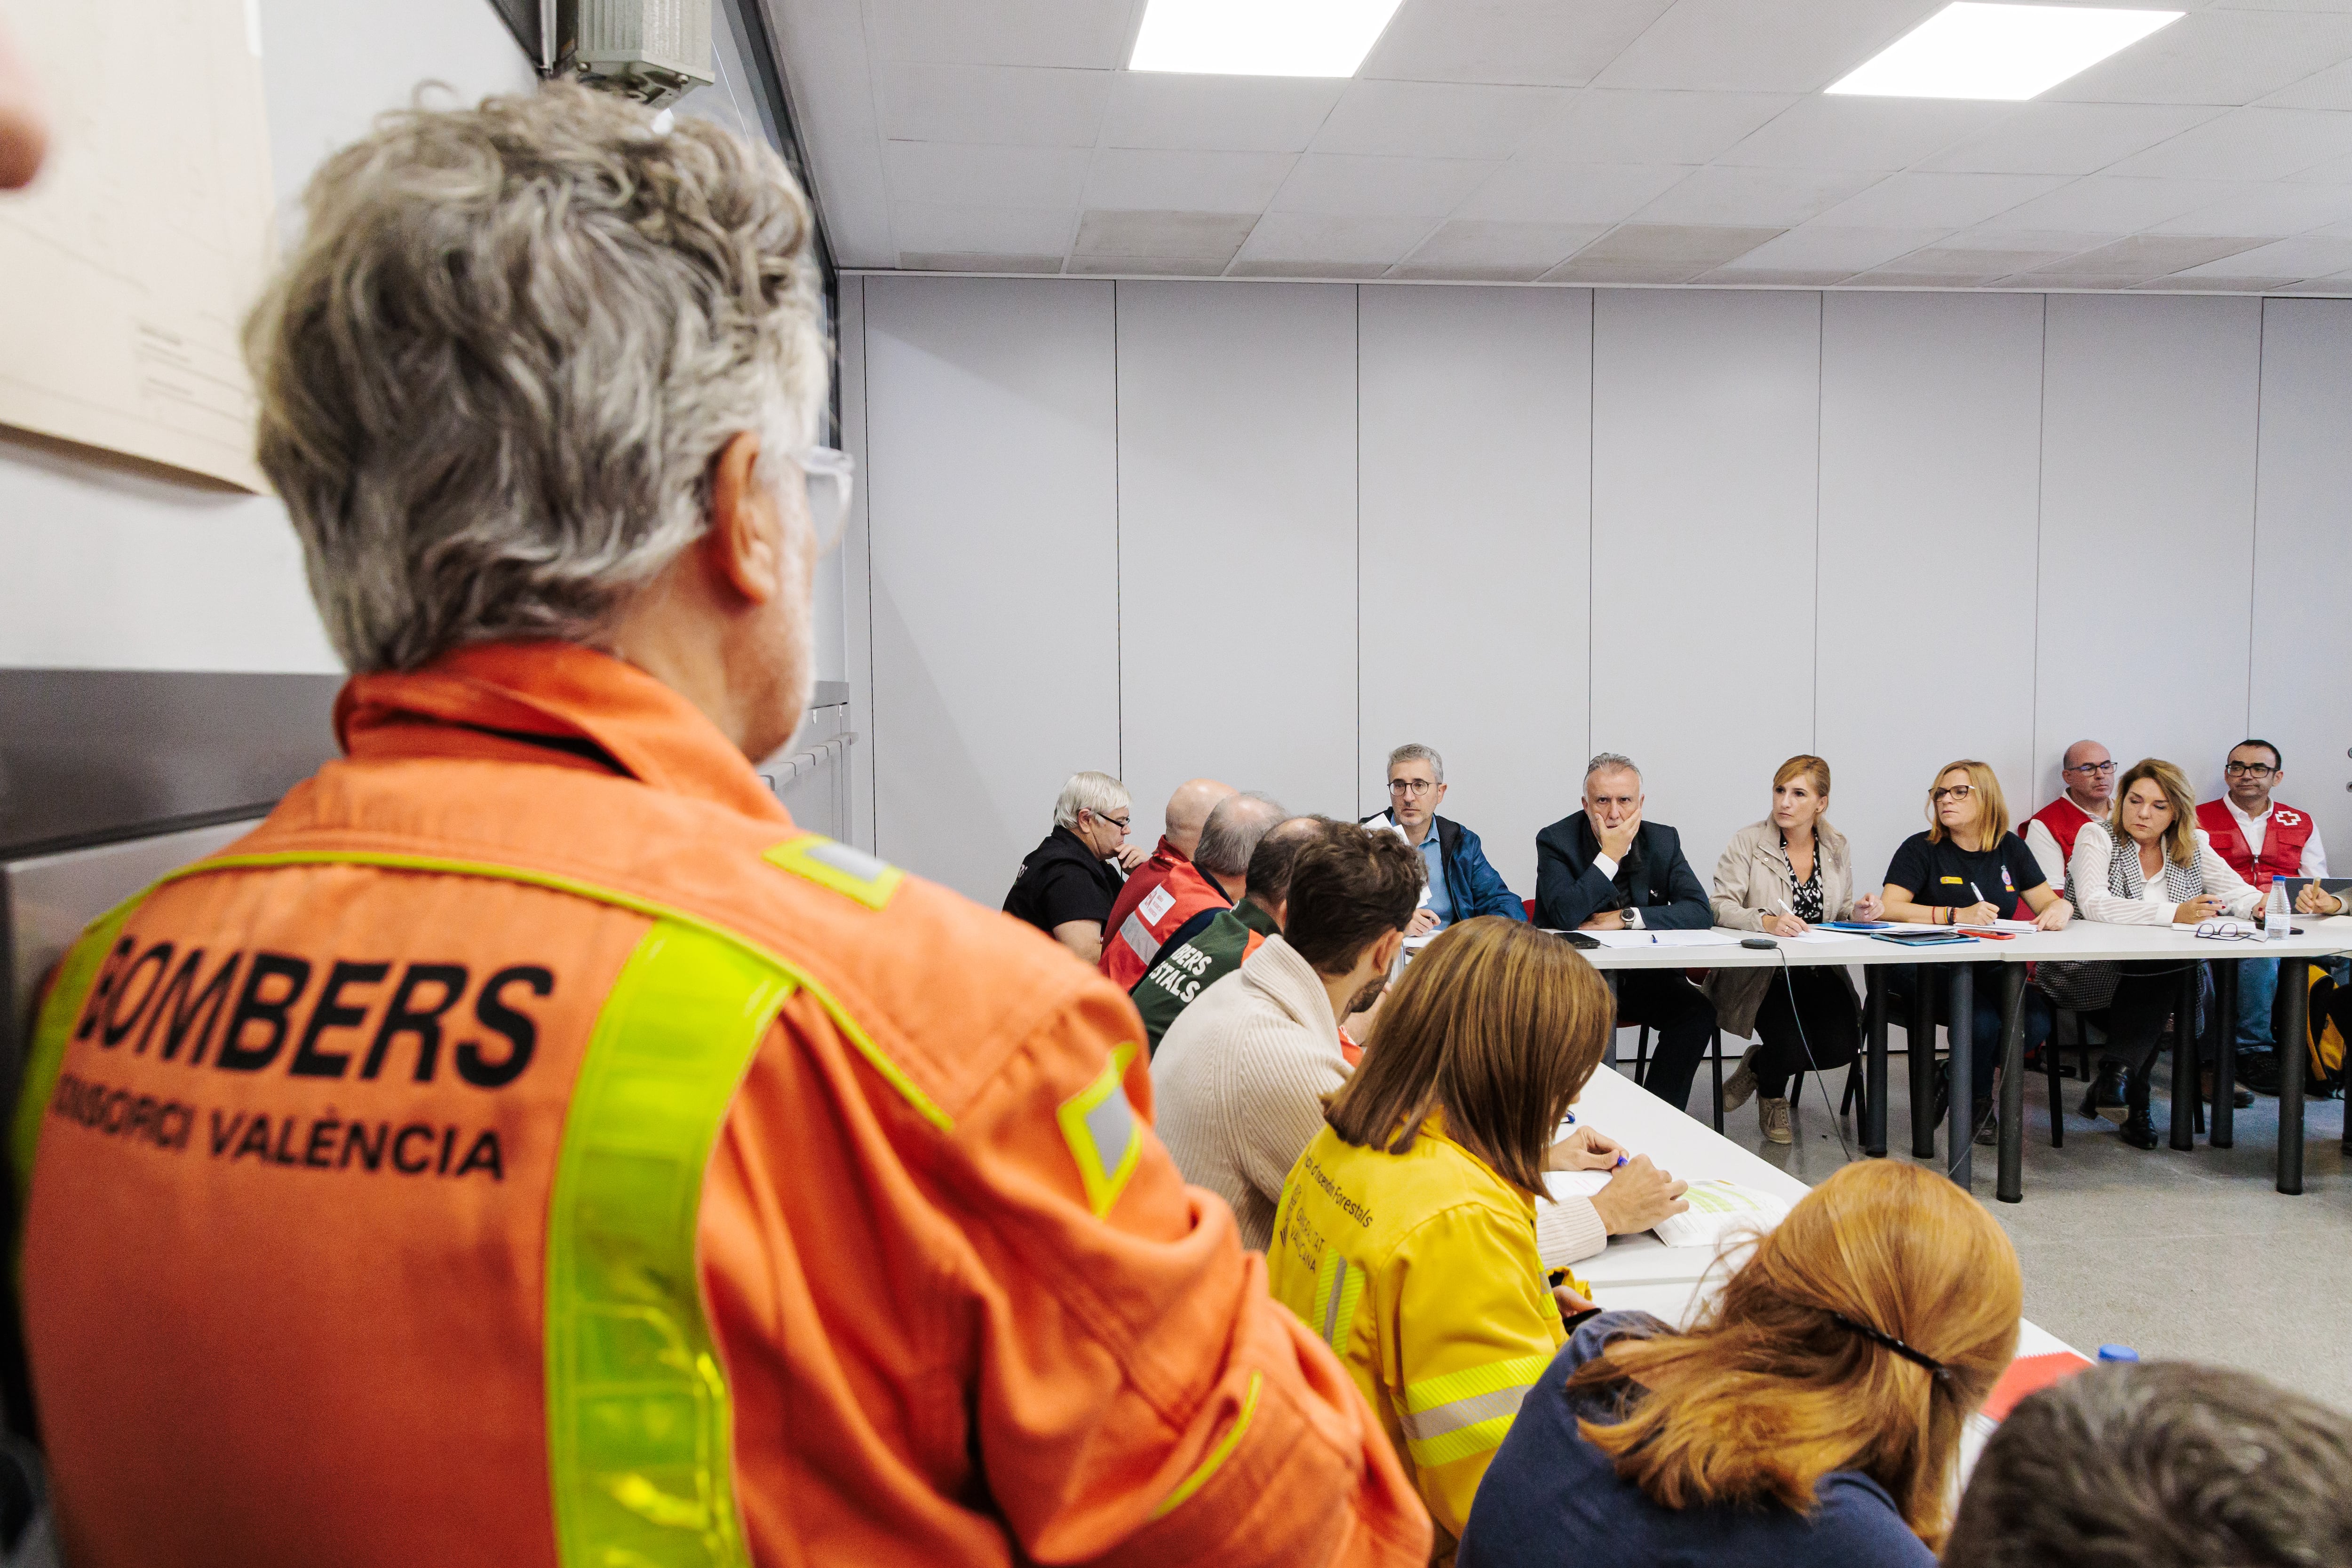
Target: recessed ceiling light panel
(1971, 50)
(1260, 37)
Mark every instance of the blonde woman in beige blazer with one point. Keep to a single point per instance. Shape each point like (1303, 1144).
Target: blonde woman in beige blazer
(1781, 876)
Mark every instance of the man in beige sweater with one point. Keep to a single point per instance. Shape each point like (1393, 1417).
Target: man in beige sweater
(1239, 1081)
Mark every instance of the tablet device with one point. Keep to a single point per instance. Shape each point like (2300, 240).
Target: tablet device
(1919, 939)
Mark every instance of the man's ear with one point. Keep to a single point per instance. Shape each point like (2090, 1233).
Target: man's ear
(1385, 951)
(745, 544)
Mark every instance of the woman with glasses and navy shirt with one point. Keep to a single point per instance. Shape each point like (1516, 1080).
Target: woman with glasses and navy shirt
(1968, 869)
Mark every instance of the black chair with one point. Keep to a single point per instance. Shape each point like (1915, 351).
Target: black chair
(1714, 1058)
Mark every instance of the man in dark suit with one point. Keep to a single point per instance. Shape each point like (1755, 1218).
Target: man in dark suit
(1605, 869)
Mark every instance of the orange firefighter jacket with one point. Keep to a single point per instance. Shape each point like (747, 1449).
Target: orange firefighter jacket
(529, 1148)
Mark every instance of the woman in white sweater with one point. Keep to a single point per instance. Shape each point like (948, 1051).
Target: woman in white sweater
(2150, 865)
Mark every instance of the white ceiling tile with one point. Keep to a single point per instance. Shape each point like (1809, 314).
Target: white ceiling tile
(2069, 137)
(1435, 120)
(1816, 246)
(1824, 133)
(2116, 204)
(1320, 237)
(1378, 187)
(1260, 266)
(2214, 57)
(1734, 273)
(1775, 198)
(2248, 144)
(938, 226)
(1747, 46)
(1528, 192)
(954, 173)
(2275, 208)
(977, 261)
(1162, 234)
(2336, 288)
(1954, 201)
(1147, 266)
(1004, 106)
(1542, 42)
(2144, 256)
(830, 75)
(1217, 114)
(1501, 251)
(1601, 127)
(1964, 265)
(2308, 257)
(2057, 242)
(1085, 32)
(1142, 179)
(1702, 246)
(2195, 283)
(2330, 89)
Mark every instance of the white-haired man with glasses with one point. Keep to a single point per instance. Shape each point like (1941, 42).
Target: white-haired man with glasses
(1462, 884)
(546, 1152)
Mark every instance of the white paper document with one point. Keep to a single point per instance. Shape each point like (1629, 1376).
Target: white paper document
(1575, 1184)
(1710, 937)
(1717, 1210)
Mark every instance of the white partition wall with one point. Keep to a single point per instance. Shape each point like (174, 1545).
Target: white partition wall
(1265, 531)
(992, 471)
(2302, 641)
(1236, 642)
(2147, 516)
(1476, 486)
(1704, 464)
(1931, 438)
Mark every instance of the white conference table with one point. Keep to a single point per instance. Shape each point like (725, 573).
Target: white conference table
(1673, 1283)
(2081, 940)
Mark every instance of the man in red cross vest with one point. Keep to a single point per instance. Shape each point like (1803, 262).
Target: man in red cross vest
(2088, 772)
(2261, 839)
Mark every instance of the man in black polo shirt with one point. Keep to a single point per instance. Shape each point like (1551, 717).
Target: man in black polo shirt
(1605, 869)
(1186, 968)
(1069, 882)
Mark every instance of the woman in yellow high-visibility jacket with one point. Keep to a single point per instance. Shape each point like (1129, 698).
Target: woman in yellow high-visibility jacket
(1406, 1232)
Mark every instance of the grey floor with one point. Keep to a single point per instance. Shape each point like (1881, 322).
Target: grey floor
(2191, 1255)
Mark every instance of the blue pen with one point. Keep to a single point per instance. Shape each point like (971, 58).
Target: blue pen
(1653, 938)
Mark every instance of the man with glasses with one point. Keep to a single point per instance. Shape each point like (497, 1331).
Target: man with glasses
(1462, 881)
(2088, 771)
(2261, 839)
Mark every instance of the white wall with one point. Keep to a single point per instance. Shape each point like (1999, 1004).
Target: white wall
(108, 566)
(1707, 528)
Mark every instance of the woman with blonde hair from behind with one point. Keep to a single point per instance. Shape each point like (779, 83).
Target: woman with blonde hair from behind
(1811, 1418)
(1407, 1233)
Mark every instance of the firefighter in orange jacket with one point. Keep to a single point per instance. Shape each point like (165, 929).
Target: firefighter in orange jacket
(529, 1148)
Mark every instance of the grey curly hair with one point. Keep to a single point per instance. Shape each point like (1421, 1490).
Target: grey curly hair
(497, 368)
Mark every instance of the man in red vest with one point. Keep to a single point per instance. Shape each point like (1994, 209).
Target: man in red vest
(2260, 839)
(2088, 772)
(1187, 814)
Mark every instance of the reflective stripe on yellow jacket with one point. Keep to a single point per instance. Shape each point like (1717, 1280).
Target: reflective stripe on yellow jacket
(1421, 1270)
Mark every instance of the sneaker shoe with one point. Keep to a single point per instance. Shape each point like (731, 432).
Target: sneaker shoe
(2259, 1071)
(1741, 1084)
(1773, 1115)
(1988, 1123)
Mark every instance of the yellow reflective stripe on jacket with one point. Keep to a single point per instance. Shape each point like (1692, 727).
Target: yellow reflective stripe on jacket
(84, 962)
(1466, 1412)
(638, 1420)
(1218, 1455)
(1338, 1289)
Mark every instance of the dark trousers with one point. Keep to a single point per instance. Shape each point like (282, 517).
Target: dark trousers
(2146, 995)
(1808, 1021)
(1684, 1019)
(1902, 981)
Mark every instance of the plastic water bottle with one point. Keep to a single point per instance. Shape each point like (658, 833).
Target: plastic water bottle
(2274, 922)
(2117, 1352)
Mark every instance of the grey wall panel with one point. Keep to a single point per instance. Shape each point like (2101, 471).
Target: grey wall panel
(1236, 646)
(995, 560)
(2300, 692)
(1476, 495)
(2148, 516)
(853, 561)
(1931, 476)
(1704, 451)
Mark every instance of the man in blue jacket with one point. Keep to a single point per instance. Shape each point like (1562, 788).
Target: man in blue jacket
(1461, 882)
